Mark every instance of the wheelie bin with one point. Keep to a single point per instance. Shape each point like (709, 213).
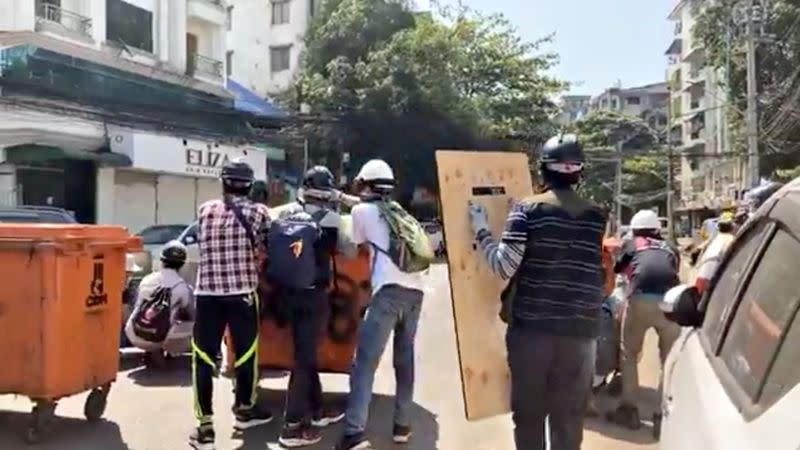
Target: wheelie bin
(60, 307)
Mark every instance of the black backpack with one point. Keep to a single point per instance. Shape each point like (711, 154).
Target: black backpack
(152, 319)
(291, 258)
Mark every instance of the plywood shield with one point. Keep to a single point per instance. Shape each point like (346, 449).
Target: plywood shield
(349, 296)
(491, 179)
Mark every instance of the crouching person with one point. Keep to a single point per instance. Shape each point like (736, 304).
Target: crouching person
(163, 316)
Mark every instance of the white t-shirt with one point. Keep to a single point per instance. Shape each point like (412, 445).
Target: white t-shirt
(369, 227)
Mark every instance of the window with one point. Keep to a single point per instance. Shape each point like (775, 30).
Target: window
(229, 18)
(633, 100)
(129, 24)
(280, 12)
(764, 313)
(280, 58)
(160, 234)
(722, 299)
(229, 63)
(785, 373)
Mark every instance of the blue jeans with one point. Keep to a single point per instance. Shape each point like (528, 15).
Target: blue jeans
(392, 308)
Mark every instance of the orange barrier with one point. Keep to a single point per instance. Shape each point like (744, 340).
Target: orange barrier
(341, 322)
(60, 308)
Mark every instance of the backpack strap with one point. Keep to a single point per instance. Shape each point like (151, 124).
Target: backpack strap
(239, 214)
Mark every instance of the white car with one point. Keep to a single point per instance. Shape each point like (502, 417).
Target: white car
(731, 380)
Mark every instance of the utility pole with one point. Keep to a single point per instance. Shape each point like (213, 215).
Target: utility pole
(670, 173)
(618, 187)
(751, 117)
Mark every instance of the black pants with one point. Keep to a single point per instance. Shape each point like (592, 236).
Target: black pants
(307, 313)
(550, 378)
(240, 314)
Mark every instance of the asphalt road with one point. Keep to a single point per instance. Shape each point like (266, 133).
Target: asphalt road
(153, 411)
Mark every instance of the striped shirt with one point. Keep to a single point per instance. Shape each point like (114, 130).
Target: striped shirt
(552, 246)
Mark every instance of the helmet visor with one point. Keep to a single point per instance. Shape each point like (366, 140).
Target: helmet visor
(565, 167)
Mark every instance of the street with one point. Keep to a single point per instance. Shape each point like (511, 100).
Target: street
(153, 411)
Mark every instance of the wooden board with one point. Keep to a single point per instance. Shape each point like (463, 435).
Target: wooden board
(491, 179)
(276, 349)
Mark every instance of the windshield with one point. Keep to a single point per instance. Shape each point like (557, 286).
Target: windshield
(160, 234)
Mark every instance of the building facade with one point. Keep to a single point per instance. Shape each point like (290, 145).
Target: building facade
(573, 107)
(117, 109)
(648, 102)
(265, 42)
(710, 177)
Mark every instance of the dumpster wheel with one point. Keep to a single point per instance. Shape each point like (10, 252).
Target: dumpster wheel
(40, 420)
(95, 404)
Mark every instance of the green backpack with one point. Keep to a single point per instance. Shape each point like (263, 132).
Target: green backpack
(409, 247)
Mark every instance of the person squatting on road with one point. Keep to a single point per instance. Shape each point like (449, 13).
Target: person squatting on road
(651, 267)
(163, 314)
(400, 253)
(231, 231)
(300, 249)
(551, 252)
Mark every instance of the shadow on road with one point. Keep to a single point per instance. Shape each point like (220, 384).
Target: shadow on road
(64, 433)
(423, 422)
(176, 373)
(648, 403)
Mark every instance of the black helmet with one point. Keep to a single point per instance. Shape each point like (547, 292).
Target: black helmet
(319, 178)
(562, 148)
(173, 252)
(237, 173)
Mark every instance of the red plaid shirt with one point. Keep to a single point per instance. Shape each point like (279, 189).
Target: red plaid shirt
(228, 261)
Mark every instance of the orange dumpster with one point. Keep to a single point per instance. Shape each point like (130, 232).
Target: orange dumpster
(60, 308)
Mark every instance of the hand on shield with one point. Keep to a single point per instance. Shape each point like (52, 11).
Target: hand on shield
(477, 218)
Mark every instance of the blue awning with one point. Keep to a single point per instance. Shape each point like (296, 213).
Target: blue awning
(250, 102)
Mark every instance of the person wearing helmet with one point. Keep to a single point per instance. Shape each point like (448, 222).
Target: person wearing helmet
(550, 251)
(163, 313)
(306, 307)
(715, 250)
(231, 234)
(395, 307)
(651, 267)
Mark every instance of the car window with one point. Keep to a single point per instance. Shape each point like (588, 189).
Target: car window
(160, 234)
(722, 296)
(764, 313)
(785, 373)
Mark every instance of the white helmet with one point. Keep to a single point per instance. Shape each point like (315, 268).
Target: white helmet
(377, 173)
(645, 219)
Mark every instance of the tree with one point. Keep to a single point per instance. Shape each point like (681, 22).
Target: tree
(404, 84)
(720, 29)
(643, 174)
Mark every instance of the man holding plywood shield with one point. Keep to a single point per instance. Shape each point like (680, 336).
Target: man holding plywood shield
(550, 251)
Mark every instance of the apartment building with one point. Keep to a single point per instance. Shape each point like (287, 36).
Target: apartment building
(648, 102)
(265, 42)
(698, 125)
(573, 107)
(117, 109)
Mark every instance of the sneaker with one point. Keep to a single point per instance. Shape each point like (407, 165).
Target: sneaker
(327, 417)
(250, 417)
(401, 434)
(202, 438)
(354, 442)
(625, 415)
(297, 435)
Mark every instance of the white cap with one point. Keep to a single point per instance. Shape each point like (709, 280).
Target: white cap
(645, 219)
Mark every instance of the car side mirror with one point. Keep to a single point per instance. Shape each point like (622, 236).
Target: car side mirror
(680, 305)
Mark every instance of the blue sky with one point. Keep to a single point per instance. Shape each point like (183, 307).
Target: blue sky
(599, 41)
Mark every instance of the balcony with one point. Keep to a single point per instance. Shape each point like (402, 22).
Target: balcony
(211, 11)
(204, 67)
(53, 18)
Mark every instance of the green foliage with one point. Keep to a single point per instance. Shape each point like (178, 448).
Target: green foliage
(405, 83)
(643, 175)
(778, 75)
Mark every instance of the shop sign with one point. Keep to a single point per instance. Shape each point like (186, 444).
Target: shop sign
(206, 162)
